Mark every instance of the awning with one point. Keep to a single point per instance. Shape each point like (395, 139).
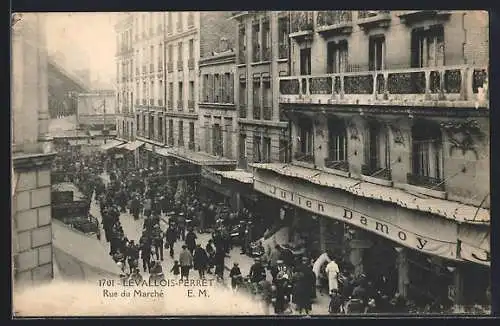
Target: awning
(199, 158)
(238, 175)
(111, 144)
(445, 208)
(133, 145)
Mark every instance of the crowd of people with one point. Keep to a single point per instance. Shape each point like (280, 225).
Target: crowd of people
(148, 195)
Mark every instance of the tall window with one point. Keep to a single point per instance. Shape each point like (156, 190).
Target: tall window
(143, 131)
(207, 137)
(171, 132)
(377, 150)
(229, 138)
(170, 95)
(257, 154)
(337, 145)
(256, 99)
(191, 48)
(427, 156)
(180, 104)
(191, 136)
(283, 37)
(305, 61)
(305, 140)
(160, 92)
(284, 151)
(217, 144)
(267, 99)
(160, 57)
(337, 56)
(137, 124)
(217, 88)
(376, 53)
(427, 47)
(160, 129)
(256, 45)
(181, 133)
(151, 127)
(243, 99)
(266, 41)
(243, 145)
(266, 149)
(191, 96)
(242, 44)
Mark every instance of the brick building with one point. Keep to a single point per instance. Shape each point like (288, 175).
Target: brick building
(31, 154)
(389, 120)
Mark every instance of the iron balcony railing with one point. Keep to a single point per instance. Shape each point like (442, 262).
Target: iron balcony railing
(302, 21)
(362, 14)
(337, 165)
(332, 18)
(376, 172)
(243, 110)
(304, 157)
(445, 83)
(267, 113)
(425, 181)
(256, 112)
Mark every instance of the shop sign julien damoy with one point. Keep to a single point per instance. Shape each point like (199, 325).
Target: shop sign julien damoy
(445, 249)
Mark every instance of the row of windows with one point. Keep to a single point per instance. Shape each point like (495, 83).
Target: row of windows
(165, 130)
(427, 49)
(125, 69)
(218, 88)
(426, 155)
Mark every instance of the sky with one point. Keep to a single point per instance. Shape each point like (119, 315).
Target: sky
(85, 40)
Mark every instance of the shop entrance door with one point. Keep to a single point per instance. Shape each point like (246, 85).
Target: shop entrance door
(380, 265)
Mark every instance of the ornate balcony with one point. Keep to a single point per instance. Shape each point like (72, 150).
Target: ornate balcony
(425, 182)
(191, 63)
(376, 172)
(180, 65)
(268, 112)
(243, 110)
(455, 86)
(302, 24)
(283, 50)
(170, 67)
(333, 22)
(256, 112)
(337, 165)
(304, 157)
(412, 16)
(374, 19)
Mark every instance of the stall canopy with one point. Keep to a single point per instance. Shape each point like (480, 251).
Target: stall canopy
(111, 144)
(133, 145)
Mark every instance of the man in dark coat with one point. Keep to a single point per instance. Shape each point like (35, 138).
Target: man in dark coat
(210, 249)
(191, 240)
(200, 260)
(219, 258)
(145, 245)
(157, 237)
(303, 286)
(181, 222)
(170, 238)
(257, 271)
(132, 253)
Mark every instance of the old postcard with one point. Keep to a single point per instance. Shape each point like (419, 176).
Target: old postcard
(250, 163)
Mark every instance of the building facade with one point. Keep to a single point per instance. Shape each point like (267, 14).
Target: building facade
(31, 154)
(261, 57)
(126, 78)
(167, 47)
(389, 120)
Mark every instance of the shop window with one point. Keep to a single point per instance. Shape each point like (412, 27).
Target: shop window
(427, 156)
(377, 151)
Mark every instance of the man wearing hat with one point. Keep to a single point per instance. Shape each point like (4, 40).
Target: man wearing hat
(157, 237)
(170, 238)
(181, 222)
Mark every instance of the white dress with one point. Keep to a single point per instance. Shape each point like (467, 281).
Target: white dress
(332, 270)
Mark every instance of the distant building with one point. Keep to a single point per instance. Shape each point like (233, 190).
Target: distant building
(96, 110)
(31, 154)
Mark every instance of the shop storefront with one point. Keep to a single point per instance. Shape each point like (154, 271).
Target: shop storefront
(406, 250)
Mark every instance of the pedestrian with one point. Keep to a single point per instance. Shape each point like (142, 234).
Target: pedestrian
(146, 255)
(210, 249)
(176, 268)
(191, 240)
(323, 259)
(304, 286)
(181, 223)
(236, 277)
(157, 236)
(133, 255)
(186, 262)
(170, 238)
(274, 257)
(257, 271)
(219, 258)
(332, 271)
(200, 260)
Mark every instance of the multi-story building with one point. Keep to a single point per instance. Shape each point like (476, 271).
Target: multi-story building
(261, 56)
(389, 134)
(125, 64)
(31, 154)
(167, 47)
